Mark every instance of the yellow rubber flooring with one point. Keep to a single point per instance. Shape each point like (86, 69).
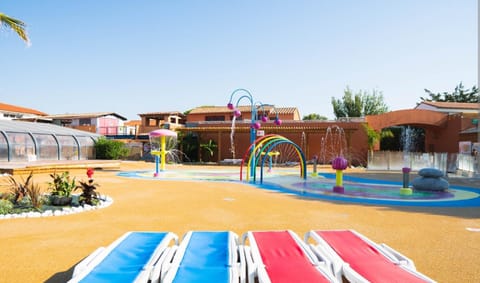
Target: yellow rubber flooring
(46, 249)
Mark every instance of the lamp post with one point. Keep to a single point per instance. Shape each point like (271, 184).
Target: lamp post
(254, 124)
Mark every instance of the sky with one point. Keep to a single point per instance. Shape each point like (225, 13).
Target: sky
(132, 57)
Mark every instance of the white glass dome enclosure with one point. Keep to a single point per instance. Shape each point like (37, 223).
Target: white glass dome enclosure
(27, 141)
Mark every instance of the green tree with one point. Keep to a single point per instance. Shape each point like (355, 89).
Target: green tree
(16, 25)
(359, 104)
(314, 116)
(458, 95)
(349, 106)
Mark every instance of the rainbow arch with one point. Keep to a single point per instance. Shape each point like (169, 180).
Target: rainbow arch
(259, 153)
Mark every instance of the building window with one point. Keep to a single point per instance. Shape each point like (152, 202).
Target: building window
(85, 122)
(152, 122)
(7, 115)
(214, 118)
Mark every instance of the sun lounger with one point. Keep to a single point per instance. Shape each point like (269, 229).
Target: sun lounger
(358, 259)
(131, 258)
(206, 256)
(281, 256)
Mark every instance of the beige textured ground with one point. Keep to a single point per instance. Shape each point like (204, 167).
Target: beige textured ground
(47, 249)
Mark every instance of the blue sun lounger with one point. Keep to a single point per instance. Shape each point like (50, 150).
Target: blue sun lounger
(206, 256)
(131, 258)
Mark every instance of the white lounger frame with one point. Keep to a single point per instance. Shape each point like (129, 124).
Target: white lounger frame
(341, 268)
(147, 274)
(170, 265)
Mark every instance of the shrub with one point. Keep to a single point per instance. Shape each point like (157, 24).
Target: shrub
(6, 206)
(110, 149)
(19, 189)
(35, 195)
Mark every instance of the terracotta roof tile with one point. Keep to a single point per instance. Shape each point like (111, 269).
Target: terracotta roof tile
(133, 123)
(177, 113)
(454, 105)
(17, 109)
(242, 108)
(85, 115)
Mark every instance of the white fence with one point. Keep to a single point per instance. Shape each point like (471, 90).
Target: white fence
(446, 162)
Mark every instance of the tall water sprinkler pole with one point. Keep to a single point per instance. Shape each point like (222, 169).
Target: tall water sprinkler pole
(254, 125)
(339, 164)
(237, 113)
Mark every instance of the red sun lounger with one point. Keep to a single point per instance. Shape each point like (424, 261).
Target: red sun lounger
(281, 256)
(359, 259)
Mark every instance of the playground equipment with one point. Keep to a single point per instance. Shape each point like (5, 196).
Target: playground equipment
(270, 160)
(262, 147)
(339, 164)
(406, 190)
(158, 147)
(255, 124)
(315, 161)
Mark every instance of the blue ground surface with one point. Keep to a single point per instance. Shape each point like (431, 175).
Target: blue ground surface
(357, 190)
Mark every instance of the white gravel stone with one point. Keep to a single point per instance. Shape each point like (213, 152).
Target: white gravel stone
(105, 202)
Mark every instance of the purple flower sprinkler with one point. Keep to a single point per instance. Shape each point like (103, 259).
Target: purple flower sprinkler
(339, 164)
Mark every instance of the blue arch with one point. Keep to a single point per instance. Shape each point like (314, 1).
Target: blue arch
(273, 143)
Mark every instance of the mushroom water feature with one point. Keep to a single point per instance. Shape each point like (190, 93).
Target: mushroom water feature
(339, 164)
(158, 147)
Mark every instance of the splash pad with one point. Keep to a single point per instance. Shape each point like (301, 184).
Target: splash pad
(321, 185)
(356, 190)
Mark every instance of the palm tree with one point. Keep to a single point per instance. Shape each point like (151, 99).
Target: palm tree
(209, 147)
(17, 26)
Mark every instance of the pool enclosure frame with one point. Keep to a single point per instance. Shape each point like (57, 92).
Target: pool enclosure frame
(27, 141)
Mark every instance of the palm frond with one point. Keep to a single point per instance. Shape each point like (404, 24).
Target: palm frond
(16, 25)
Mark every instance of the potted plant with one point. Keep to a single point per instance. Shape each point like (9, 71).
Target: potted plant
(89, 194)
(61, 188)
